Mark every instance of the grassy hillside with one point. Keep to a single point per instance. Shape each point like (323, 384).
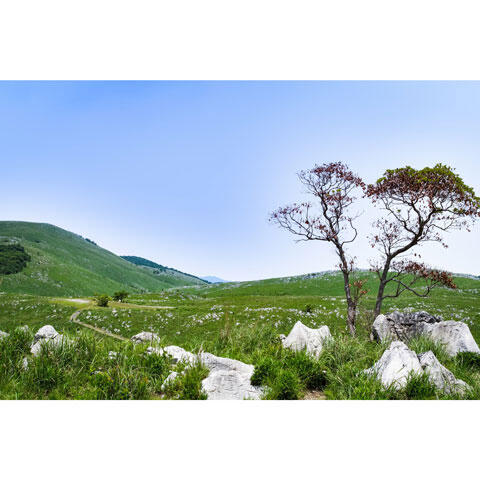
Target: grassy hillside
(158, 269)
(65, 264)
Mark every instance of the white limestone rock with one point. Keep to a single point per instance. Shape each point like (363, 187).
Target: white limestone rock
(301, 337)
(54, 342)
(179, 354)
(145, 337)
(455, 336)
(228, 379)
(3, 335)
(381, 329)
(45, 332)
(169, 380)
(395, 365)
(441, 377)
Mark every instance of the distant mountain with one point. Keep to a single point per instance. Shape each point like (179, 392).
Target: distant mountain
(161, 269)
(213, 279)
(66, 264)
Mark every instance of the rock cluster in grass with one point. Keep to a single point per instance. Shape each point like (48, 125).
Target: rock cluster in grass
(398, 363)
(303, 338)
(46, 335)
(145, 337)
(454, 336)
(228, 379)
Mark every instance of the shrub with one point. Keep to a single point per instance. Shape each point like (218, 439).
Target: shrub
(102, 300)
(120, 296)
(308, 308)
(13, 259)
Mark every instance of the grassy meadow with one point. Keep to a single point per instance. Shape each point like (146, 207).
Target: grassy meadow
(236, 320)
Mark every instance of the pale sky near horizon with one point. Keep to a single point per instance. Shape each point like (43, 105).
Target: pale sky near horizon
(186, 173)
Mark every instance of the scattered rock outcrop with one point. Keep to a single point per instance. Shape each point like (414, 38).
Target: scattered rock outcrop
(46, 334)
(395, 365)
(440, 376)
(145, 337)
(455, 336)
(228, 379)
(399, 362)
(301, 337)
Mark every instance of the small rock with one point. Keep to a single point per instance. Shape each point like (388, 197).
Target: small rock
(145, 337)
(55, 342)
(112, 355)
(25, 363)
(3, 335)
(45, 332)
(170, 379)
(301, 337)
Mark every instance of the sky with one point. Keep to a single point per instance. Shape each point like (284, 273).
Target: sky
(186, 173)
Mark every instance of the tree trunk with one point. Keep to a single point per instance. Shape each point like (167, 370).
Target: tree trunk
(352, 308)
(351, 319)
(381, 288)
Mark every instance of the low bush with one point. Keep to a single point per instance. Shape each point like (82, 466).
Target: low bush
(102, 300)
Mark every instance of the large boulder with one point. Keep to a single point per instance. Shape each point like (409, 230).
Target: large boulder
(399, 362)
(402, 326)
(395, 366)
(228, 379)
(145, 337)
(441, 377)
(455, 336)
(303, 338)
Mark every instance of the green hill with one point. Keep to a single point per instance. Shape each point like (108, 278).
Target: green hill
(65, 264)
(158, 269)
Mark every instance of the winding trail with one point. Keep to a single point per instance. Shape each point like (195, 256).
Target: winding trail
(74, 319)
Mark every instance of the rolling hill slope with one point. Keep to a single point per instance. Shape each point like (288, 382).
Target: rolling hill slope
(65, 264)
(158, 269)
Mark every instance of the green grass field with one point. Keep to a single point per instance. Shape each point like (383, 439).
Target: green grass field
(243, 321)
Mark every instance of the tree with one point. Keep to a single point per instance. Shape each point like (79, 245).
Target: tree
(120, 296)
(420, 206)
(102, 300)
(333, 185)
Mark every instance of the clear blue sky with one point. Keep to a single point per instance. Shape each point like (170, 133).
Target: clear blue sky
(186, 173)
